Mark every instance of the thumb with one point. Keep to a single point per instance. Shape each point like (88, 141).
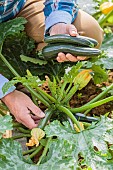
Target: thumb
(72, 30)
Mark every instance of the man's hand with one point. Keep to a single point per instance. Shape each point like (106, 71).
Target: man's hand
(62, 28)
(20, 105)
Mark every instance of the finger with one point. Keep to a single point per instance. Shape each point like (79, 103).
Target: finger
(61, 57)
(37, 122)
(28, 121)
(71, 58)
(71, 29)
(36, 110)
(35, 118)
(82, 58)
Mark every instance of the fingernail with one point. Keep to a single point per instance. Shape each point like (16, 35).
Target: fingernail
(74, 32)
(42, 114)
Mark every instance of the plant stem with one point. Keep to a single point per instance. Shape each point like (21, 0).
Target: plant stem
(45, 150)
(9, 65)
(29, 151)
(106, 17)
(2, 113)
(90, 106)
(96, 13)
(70, 94)
(44, 121)
(70, 115)
(16, 124)
(21, 136)
(62, 91)
(101, 95)
(45, 97)
(39, 97)
(68, 88)
(34, 100)
(23, 130)
(38, 149)
(46, 94)
(32, 91)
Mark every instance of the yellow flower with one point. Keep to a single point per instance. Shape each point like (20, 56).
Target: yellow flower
(83, 78)
(77, 129)
(36, 135)
(106, 7)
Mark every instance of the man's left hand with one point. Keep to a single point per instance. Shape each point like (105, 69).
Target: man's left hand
(62, 28)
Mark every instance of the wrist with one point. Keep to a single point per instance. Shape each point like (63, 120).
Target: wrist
(55, 26)
(7, 97)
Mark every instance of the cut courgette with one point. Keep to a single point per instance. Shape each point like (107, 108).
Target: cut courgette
(51, 51)
(78, 40)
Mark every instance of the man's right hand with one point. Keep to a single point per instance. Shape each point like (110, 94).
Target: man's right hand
(22, 107)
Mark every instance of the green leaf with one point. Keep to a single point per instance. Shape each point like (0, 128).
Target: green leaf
(32, 81)
(100, 75)
(5, 124)
(71, 73)
(32, 60)
(92, 145)
(11, 27)
(13, 47)
(107, 45)
(11, 156)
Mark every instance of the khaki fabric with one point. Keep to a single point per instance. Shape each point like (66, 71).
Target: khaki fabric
(33, 12)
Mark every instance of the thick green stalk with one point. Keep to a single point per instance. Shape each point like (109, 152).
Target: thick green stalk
(62, 91)
(106, 17)
(70, 115)
(39, 148)
(21, 136)
(67, 90)
(46, 94)
(45, 97)
(2, 113)
(34, 100)
(16, 124)
(70, 94)
(90, 106)
(44, 121)
(39, 97)
(101, 95)
(25, 131)
(29, 151)
(32, 91)
(45, 150)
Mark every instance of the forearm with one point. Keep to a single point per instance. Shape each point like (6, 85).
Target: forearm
(4, 80)
(63, 11)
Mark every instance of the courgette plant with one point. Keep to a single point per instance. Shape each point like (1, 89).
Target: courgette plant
(67, 144)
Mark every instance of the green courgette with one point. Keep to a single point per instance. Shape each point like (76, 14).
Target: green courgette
(51, 51)
(78, 40)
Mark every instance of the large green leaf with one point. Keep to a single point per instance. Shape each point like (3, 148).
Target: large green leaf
(88, 148)
(13, 47)
(106, 60)
(107, 45)
(11, 27)
(5, 124)
(11, 156)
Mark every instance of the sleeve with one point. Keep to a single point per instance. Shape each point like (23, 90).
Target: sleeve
(59, 11)
(3, 80)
